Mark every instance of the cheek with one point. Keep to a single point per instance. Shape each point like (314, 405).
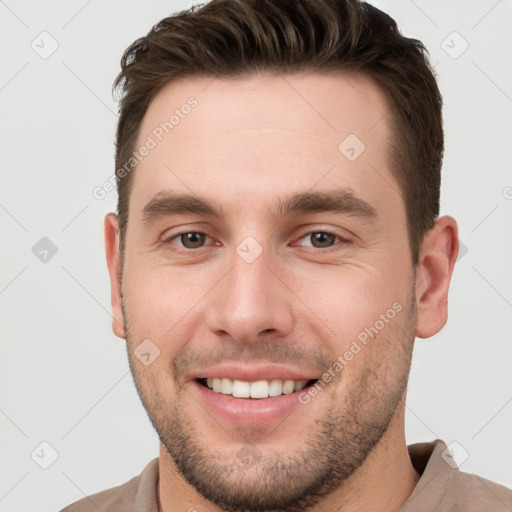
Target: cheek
(351, 298)
(365, 311)
(162, 305)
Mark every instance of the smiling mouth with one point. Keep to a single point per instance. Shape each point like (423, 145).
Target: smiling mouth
(256, 390)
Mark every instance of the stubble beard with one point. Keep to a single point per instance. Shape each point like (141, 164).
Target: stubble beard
(250, 480)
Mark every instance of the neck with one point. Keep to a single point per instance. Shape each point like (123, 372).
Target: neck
(384, 481)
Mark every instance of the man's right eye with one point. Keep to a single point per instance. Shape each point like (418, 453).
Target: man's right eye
(189, 239)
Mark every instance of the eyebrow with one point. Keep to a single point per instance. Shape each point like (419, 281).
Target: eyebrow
(344, 201)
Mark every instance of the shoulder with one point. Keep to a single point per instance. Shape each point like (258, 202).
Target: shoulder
(119, 498)
(128, 497)
(470, 492)
(444, 487)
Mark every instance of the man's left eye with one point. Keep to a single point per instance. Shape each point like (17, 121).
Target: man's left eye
(321, 239)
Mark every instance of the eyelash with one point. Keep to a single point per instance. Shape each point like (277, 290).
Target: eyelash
(341, 239)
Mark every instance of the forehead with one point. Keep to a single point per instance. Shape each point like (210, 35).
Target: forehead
(263, 134)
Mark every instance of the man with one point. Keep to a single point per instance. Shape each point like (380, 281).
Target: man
(276, 251)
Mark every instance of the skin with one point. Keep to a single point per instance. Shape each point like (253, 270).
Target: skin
(250, 141)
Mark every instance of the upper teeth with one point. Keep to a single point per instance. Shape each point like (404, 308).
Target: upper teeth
(258, 389)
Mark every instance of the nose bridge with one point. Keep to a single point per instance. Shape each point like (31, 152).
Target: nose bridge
(250, 299)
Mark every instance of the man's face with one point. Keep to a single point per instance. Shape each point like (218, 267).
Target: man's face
(276, 281)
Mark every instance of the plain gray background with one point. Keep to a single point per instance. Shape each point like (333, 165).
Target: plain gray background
(64, 375)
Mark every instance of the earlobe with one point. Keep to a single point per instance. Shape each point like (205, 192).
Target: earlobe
(111, 226)
(438, 254)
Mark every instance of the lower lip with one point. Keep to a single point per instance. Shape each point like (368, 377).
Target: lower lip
(247, 411)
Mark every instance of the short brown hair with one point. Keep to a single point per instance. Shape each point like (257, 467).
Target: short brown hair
(230, 38)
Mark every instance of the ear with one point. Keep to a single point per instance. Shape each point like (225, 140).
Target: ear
(111, 225)
(438, 254)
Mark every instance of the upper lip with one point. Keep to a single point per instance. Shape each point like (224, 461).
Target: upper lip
(237, 371)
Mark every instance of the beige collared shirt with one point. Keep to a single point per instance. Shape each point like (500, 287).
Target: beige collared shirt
(441, 488)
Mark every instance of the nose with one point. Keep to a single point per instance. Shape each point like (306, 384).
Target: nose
(250, 300)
